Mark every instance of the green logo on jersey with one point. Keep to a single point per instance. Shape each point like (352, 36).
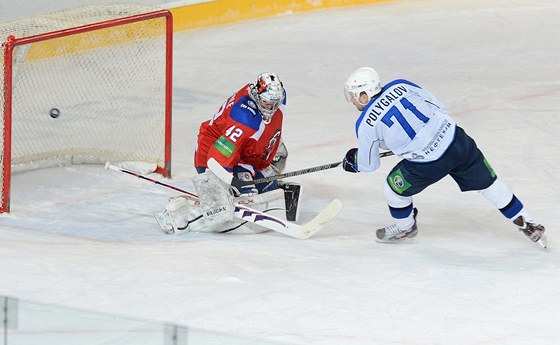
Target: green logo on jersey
(397, 182)
(489, 167)
(224, 146)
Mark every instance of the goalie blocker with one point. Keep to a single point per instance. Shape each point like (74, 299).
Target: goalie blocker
(292, 196)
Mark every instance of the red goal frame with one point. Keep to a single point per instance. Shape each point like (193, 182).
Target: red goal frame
(13, 42)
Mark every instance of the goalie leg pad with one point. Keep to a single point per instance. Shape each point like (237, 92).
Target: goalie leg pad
(165, 222)
(179, 216)
(183, 214)
(216, 200)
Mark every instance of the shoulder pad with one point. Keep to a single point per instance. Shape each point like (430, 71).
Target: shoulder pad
(245, 112)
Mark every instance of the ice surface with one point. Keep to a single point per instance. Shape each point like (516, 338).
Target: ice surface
(85, 237)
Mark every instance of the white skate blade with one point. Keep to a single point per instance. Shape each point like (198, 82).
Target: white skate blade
(543, 242)
(398, 241)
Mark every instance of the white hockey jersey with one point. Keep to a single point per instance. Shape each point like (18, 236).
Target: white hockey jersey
(405, 119)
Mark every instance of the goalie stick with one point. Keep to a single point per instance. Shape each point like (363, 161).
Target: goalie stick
(235, 182)
(246, 213)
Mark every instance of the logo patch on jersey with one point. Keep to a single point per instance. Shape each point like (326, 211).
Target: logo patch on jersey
(489, 167)
(253, 111)
(397, 181)
(224, 146)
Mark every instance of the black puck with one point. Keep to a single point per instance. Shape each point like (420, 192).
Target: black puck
(54, 112)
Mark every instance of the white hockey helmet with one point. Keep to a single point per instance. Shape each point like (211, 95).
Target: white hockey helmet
(364, 79)
(268, 93)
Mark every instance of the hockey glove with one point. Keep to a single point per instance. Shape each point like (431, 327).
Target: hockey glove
(244, 175)
(350, 161)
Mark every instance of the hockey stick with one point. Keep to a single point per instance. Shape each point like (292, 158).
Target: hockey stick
(245, 213)
(235, 182)
(255, 199)
(109, 166)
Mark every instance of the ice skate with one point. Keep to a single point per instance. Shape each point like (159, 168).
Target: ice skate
(392, 234)
(535, 232)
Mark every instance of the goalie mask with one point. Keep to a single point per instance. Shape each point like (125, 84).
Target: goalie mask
(268, 93)
(364, 79)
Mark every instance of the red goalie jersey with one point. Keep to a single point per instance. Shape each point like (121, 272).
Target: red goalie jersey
(247, 128)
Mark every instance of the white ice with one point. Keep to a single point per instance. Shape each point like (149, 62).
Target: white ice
(84, 237)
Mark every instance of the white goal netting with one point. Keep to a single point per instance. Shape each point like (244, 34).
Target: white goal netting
(86, 85)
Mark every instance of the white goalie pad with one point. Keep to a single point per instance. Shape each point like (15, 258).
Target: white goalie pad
(216, 200)
(178, 215)
(183, 214)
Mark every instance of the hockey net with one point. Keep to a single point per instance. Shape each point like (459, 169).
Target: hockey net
(86, 85)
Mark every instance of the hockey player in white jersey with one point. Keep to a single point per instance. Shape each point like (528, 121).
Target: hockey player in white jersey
(412, 123)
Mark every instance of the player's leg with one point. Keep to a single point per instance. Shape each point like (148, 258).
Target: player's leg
(405, 180)
(476, 174)
(512, 208)
(403, 214)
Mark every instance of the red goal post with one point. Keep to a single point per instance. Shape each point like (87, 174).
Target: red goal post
(86, 85)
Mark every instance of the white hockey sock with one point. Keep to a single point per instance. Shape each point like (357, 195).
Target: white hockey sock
(397, 201)
(498, 194)
(501, 197)
(405, 223)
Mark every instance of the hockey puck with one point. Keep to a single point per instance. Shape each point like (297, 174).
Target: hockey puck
(54, 113)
